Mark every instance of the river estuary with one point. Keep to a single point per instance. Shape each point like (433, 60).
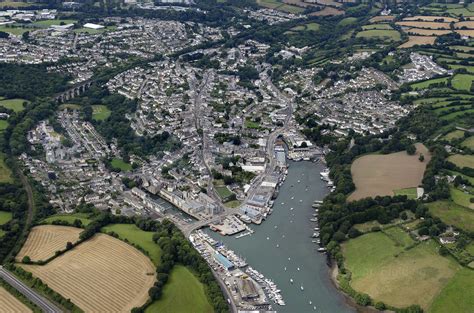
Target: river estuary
(283, 241)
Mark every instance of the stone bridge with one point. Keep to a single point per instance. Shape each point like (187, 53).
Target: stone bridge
(73, 92)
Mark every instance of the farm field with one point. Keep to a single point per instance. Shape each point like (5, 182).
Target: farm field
(347, 21)
(469, 178)
(426, 83)
(137, 236)
(384, 34)
(5, 173)
(100, 112)
(3, 123)
(461, 198)
(415, 276)
(468, 143)
(453, 214)
(456, 134)
(376, 26)
(427, 32)
(430, 18)
(327, 11)
(418, 40)
(13, 104)
(382, 174)
(17, 31)
(462, 82)
(70, 218)
(382, 18)
(462, 160)
(182, 294)
(44, 240)
(451, 299)
(120, 164)
(399, 236)
(5, 217)
(409, 192)
(102, 274)
(426, 25)
(69, 106)
(11, 304)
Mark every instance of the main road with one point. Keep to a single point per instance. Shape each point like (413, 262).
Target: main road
(29, 293)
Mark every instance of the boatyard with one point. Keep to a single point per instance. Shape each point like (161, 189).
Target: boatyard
(281, 257)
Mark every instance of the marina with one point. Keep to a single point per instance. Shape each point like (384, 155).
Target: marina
(281, 249)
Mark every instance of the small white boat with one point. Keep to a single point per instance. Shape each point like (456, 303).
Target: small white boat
(289, 259)
(292, 198)
(268, 238)
(291, 280)
(302, 288)
(291, 209)
(310, 302)
(298, 268)
(285, 268)
(278, 246)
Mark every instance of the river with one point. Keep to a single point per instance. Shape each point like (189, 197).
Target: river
(291, 231)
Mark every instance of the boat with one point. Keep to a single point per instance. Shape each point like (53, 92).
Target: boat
(268, 238)
(313, 219)
(310, 302)
(322, 249)
(285, 268)
(291, 280)
(278, 246)
(314, 241)
(298, 268)
(291, 209)
(315, 235)
(292, 198)
(302, 288)
(316, 228)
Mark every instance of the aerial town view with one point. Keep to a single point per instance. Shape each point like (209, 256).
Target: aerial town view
(211, 156)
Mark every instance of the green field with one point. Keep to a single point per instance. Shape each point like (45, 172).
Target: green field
(367, 226)
(462, 160)
(399, 236)
(232, 204)
(47, 23)
(70, 218)
(137, 236)
(396, 276)
(13, 104)
(391, 35)
(347, 21)
(409, 192)
(469, 178)
(468, 143)
(70, 106)
(462, 82)
(17, 31)
(376, 26)
(271, 4)
(223, 192)
(453, 214)
(182, 294)
(100, 112)
(5, 173)
(454, 135)
(120, 164)
(457, 295)
(455, 115)
(5, 217)
(427, 83)
(461, 198)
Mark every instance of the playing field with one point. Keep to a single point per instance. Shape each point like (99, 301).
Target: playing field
(120, 164)
(70, 218)
(382, 174)
(44, 240)
(415, 276)
(137, 236)
(5, 217)
(13, 104)
(409, 192)
(8, 303)
(182, 294)
(462, 160)
(223, 192)
(102, 274)
(453, 214)
(100, 112)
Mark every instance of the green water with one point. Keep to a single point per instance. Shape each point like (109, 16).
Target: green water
(292, 234)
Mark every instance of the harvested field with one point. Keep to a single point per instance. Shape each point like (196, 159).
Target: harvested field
(381, 34)
(327, 11)
(43, 241)
(386, 18)
(429, 25)
(427, 32)
(467, 24)
(429, 18)
(298, 3)
(418, 40)
(379, 175)
(329, 2)
(102, 274)
(8, 303)
(465, 32)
